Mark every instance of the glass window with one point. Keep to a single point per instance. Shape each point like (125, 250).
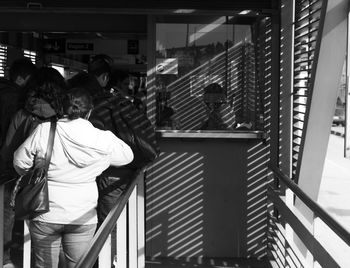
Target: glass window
(30, 54)
(3, 59)
(205, 75)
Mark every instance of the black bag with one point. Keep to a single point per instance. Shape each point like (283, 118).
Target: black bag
(30, 197)
(135, 129)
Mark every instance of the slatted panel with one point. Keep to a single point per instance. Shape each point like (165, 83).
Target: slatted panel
(280, 249)
(258, 154)
(3, 59)
(307, 17)
(306, 28)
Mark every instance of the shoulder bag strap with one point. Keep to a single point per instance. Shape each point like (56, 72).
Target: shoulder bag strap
(50, 143)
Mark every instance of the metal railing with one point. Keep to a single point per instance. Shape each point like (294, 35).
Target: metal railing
(26, 256)
(282, 214)
(128, 218)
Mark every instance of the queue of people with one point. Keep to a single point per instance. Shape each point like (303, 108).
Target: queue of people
(87, 173)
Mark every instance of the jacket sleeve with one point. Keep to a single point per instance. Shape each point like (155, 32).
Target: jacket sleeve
(26, 154)
(120, 153)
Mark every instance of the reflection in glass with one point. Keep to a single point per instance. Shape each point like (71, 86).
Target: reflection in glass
(192, 58)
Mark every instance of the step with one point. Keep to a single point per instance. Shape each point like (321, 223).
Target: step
(206, 263)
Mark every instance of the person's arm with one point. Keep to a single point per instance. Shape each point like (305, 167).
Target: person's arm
(24, 156)
(120, 153)
(12, 141)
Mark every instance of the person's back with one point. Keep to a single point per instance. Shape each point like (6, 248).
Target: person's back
(12, 96)
(43, 91)
(76, 161)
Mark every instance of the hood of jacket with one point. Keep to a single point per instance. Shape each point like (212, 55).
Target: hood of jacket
(39, 108)
(78, 138)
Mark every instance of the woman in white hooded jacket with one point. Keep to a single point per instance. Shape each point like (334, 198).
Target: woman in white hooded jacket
(80, 153)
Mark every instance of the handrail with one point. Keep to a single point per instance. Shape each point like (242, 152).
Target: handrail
(319, 211)
(90, 256)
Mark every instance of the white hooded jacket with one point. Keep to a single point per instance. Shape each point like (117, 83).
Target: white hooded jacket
(80, 153)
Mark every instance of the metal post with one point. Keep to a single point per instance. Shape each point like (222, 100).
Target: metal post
(1, 224)
(132, 229)
(122, 260)
(141, 225)
(105, 256)
(27, 246)
(347, 96)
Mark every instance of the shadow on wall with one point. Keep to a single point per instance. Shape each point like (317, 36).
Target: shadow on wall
(174, 207)
(207, 199)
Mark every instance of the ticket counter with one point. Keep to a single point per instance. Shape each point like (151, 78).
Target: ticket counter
(206, 193)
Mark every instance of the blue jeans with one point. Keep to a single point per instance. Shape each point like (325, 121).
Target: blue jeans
(47, 239)
(110, 189)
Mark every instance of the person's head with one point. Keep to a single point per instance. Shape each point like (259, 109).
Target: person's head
(99, 66)
(49, 85)
(214, 93)
(21, 70)
(85, 80)
(121, 80)
(77, 104)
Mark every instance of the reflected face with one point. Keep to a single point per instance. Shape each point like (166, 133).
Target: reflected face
(103, 80)
(126, 85)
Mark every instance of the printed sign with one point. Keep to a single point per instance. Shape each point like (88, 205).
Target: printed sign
(80, 46)
(54, 45)
(167, 66)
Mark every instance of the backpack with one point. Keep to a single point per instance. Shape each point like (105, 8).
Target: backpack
(133, 127)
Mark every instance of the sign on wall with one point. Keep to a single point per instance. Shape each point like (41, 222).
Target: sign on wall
(80, 46)
(167, 66)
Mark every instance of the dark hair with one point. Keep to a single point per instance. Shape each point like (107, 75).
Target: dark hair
(86, 81)
(100, 64)
(77, 103)
(214, 93)
(47, 84)
(21, 67)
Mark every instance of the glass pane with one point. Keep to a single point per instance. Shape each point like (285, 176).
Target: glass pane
(205, 76)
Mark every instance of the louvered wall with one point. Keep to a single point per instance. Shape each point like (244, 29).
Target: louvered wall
(306, 29)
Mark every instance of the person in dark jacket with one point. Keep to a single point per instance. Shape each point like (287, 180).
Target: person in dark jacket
(108, 104)
(44, 94)
(13, 92)
(45, 89)
(12, 97)
(100, 68)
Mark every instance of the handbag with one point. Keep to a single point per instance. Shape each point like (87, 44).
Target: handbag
(135, 129)
(30, 197)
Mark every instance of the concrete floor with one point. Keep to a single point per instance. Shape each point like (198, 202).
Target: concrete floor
(334, 197)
